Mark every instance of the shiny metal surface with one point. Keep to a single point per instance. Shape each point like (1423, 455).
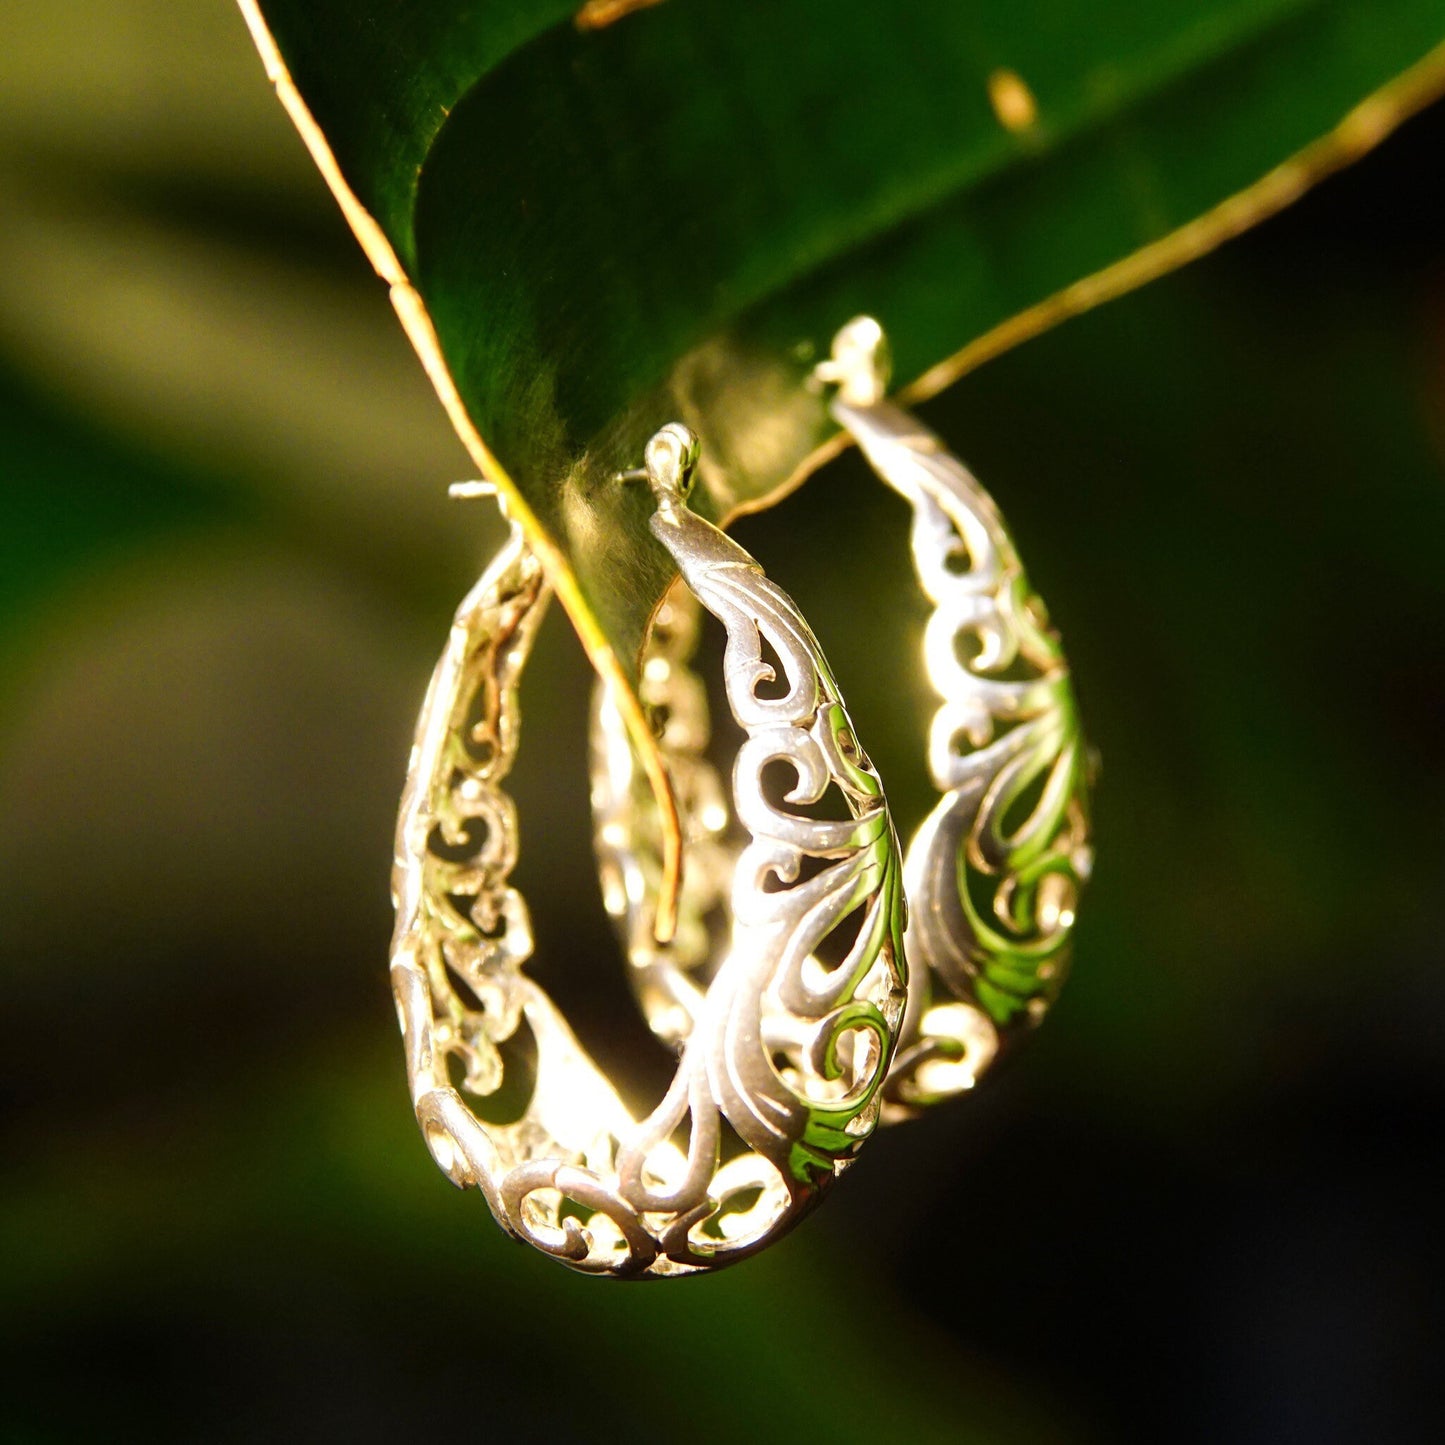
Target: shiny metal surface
(669, 979)
(994, 873)
(783, 1054)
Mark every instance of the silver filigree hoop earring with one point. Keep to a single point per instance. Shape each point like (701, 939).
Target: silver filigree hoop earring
(781, 1073)
(994, 873)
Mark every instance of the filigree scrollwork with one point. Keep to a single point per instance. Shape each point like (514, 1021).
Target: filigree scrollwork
(994, 873)
(670, 979)
(783, 1056)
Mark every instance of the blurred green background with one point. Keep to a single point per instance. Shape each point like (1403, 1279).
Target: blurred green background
(1200, 1205)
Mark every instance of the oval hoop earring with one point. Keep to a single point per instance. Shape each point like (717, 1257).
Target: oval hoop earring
(780, 1079)
(994, 873)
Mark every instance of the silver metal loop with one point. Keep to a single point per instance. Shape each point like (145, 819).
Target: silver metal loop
(993, 874)
(782, 1060)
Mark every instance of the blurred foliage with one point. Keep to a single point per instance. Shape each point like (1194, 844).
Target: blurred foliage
(1199, 1207)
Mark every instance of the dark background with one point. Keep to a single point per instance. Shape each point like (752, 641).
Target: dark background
(1200, 1206)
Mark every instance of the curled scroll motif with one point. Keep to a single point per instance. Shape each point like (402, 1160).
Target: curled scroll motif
(782, 1060)
(462, 936)
(790, 1051)
(669, 979)
(994, 873)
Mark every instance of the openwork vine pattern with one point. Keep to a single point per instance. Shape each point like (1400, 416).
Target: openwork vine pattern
(994, 873)
(783, 1057)
(669, 979)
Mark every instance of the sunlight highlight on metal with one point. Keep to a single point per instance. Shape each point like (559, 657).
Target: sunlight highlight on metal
(994, 873)
(783, 1059)
(992, 876)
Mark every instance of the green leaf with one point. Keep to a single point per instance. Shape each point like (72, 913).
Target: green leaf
(593, 231)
